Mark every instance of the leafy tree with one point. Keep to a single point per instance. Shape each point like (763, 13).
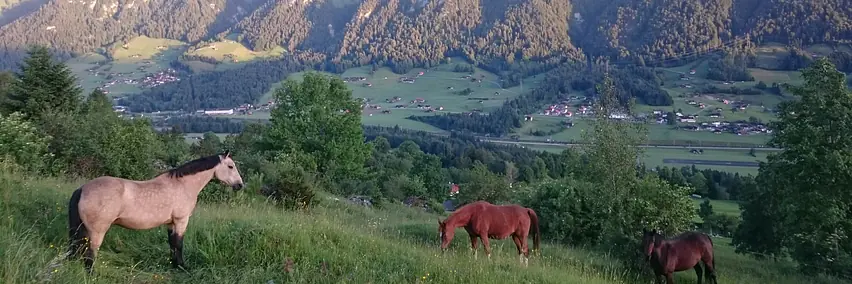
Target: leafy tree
(44, 86)
(483, 184)
(612, 152)
(699, 182)
(319, 117)
(705, 210)
(22, 142)
(210, 144)
(807, 182)
(566, 211)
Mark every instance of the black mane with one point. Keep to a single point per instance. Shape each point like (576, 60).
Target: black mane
(195, 166)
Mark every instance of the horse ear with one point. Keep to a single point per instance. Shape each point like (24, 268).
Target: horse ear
(227, 154)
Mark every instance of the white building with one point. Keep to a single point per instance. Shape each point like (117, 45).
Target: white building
(219, 112)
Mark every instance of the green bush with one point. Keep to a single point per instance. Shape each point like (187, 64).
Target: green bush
(289, 185)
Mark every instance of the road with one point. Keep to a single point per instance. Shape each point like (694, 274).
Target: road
(712, 163)
(507, 141)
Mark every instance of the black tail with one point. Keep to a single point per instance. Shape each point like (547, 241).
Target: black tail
(77, 232)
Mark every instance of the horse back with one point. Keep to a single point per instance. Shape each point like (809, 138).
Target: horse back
(686, 250)
(503, 220)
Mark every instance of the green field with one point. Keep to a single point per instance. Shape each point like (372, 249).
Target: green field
(653, 157)
(725, 207)
(133, 60)
(246, 240)
(438, 86)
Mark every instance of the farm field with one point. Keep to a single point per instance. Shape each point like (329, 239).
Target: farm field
(655, 156)
(657, 133)
(247, 240)
(142, 56)
(131, 63)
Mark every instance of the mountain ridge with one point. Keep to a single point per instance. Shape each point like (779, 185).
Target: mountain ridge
(422, 32)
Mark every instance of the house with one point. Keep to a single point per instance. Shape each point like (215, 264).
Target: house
(454, 189)
(528, 118)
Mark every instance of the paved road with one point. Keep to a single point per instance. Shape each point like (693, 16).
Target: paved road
(492, 140)
(712, 163)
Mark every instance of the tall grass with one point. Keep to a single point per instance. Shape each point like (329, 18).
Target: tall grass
(249, 241)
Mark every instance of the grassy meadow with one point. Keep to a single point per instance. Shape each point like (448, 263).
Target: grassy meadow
(246, 240)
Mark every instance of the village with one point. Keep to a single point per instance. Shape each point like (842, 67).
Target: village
(580, 107)
(149, 81)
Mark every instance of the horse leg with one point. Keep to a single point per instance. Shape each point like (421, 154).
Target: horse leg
(176, 230)
(699, 272)
(669, 278)
(486, 246)
(710, 268)
(96, 238)
(473, 245)
(520, 250)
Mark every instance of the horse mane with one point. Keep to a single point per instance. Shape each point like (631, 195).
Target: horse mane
(195, 166)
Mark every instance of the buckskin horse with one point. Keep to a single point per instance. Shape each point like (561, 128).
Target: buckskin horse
(168, 198)
(679, 253)
(484, 220)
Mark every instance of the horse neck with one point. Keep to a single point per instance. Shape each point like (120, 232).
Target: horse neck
(460, 218)
(193, 184)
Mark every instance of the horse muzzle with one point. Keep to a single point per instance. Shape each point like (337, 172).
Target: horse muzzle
(237, 187)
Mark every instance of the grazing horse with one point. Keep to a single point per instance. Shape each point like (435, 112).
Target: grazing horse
(168, 198)
(484, 220)
(680, 253)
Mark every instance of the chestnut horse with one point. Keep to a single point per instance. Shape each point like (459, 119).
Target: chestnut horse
(484, 220)
(680, 253)
(169, 199)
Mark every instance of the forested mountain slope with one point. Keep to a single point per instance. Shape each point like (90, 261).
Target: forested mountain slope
(422, 32)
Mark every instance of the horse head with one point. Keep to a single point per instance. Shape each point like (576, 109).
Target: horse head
(444, 235)
(227, 172)
(650, 240)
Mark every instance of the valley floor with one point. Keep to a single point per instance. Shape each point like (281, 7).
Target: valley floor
(246, 240)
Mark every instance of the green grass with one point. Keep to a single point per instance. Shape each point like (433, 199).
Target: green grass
(725, 207)
(249, 241)
(227, 50)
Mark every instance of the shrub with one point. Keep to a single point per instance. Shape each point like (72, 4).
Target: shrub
(291, 186)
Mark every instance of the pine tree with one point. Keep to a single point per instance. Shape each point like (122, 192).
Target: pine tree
(43, 87)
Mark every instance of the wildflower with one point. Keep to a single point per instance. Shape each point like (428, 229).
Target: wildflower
(51, 245)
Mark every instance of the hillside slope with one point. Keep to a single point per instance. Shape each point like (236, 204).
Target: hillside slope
(246, 240)
(358, 32)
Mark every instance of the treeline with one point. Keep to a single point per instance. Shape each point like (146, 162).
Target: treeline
(216, 89)
(639, 82)
(194, 124)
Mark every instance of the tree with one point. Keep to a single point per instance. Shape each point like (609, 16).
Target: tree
(319, 117)
(22, 143)
(705, 210)
(483, 184)
(699, 182)
(806, 184)
(7, 79)
(44, 87)
(210, 144)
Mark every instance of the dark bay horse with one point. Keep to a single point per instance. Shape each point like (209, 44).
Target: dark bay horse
(484, 220)
(679, 253)
(168, 198)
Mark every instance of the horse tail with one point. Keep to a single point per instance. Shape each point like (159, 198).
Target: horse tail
(77, 232)
(534, 230)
